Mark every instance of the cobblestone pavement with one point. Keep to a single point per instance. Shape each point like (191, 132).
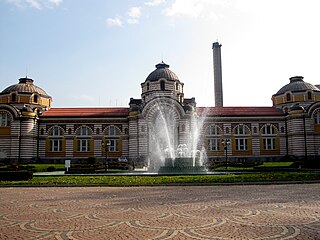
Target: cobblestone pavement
(180, 212)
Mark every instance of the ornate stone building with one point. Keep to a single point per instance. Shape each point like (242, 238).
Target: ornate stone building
(31, 130)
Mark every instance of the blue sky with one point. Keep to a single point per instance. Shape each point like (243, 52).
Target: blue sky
(98, 52)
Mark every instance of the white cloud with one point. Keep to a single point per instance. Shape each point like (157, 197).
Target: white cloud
(114, 22)
(154, 2)
(133, 21)
(55, 2)
(196, 8)
(34, 4)
(134, 13)
(181, 7)
(37, 4)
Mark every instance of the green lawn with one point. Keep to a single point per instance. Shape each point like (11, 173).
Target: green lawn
(251, 168)
(277, 164)
(182, 179)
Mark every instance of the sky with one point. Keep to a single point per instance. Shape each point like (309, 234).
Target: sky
(96, 53)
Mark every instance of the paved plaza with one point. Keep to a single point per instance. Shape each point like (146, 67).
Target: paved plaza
(179, 212)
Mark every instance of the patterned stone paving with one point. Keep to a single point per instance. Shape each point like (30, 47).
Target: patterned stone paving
(180, 212)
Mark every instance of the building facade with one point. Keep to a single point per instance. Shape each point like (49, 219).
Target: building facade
(31, 130)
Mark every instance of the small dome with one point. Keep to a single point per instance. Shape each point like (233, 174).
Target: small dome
(162, 71)
(297, 85)
(25, 85)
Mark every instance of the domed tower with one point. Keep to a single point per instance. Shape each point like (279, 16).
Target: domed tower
(20, 107)
(162, 82)
(25, 93)
(162, 118)
(296, 92)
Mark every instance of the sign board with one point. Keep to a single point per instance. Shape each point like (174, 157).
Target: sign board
(67, 164)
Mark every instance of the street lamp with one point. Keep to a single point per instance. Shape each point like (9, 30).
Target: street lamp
(106, 146)
(226, 143)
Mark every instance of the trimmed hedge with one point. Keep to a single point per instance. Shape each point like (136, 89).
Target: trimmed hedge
(16, 175)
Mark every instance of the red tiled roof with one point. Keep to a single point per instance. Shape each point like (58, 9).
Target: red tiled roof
(239, 111)
(124, 112)
(86, 112)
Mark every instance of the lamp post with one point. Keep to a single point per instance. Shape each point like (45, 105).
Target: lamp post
(106, 146)
(226, 143)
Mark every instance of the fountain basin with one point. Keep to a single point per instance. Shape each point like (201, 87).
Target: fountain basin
(182, 165)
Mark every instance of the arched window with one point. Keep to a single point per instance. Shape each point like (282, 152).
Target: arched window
(112, 138)
(316, 117)
(35, 98)
(55, 139)
(213, 133)
(5, 119)
(288, 96)
(309, 95)
(162, 85)
(241, 133)
(13, 97)
(177, 86)
(269, 134)
(83, 139)
(112, 131)
(55, 131)
(148, 86)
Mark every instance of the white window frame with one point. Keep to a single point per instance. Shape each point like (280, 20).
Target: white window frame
(55, 138)
(242, 144)
(269, 133)
(112, 136)
(4, 119)
(269, 143)
(55, 145)
(83, 145)
(241, 133)
(214, 137)
(84, 139)
(213, 144)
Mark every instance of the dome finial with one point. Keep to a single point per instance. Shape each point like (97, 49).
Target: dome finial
(162, 65)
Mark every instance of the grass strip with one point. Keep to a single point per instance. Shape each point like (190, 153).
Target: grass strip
(167, 180)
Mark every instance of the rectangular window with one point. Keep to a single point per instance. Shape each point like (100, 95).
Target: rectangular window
(242, 144)
(213, 144)
(4, 120)
(269, 143)
(317, 118)
(113, 147)
(84, 145)
(56, 145)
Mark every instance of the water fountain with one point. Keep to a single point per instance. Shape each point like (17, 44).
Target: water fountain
(185, 161)
(172, 149)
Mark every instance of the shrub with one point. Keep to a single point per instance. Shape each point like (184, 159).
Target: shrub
(92, 160)
(15, 176)
(51, 169)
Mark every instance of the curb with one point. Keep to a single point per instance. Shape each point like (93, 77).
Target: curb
(164, 185)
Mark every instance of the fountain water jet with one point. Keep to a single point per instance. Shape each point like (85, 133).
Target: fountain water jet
(172, 149)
